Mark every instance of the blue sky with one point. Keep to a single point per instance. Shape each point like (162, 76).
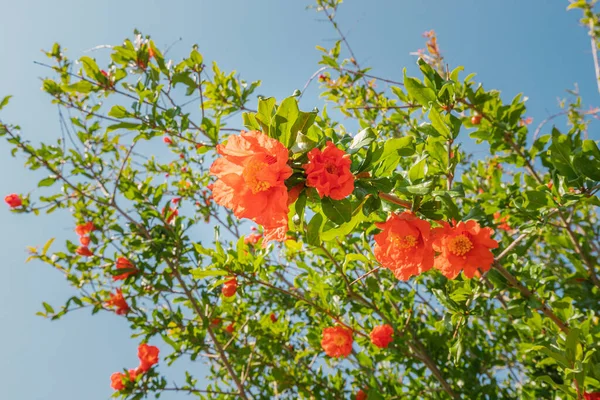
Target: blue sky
(536, 48)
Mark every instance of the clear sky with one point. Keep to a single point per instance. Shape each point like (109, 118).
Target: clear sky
(534, 47)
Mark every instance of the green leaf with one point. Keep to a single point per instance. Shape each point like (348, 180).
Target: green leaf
(437, 121)
(338, 211)
(424, 95)
(118, 112)
(285, 117)
(47, 182)
(372, 204)
(80, 87)
(48, 308)
(265, 113)
(130, 126)
(4, 102)
(362, 139)
(313, 230)
(537, 199)
(418, 171)
(587, 162)
(47, 246)
(90, 67)
(199, 273)
(560, 155)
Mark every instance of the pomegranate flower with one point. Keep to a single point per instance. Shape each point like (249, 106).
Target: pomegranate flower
(251, 181)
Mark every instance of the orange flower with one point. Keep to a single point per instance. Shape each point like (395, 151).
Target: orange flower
(361, 395)
(117, 300)
(170, 215)
(85, 229)
(252, 238)
(404, 245)
(381, 336)
(116, 379)
(229, 328)
(148, 356)
(464, 246)
(273, 317)
(251, 181)
(123, 263)
(84, 251)
(13, 200)
(503, 221)
(84, 240)
(215, 321)
(229, 287)
(337, 341)
(329, 172)
(591, 396)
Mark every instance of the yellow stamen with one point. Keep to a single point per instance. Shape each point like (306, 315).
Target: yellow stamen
(404, 242)
(250, 177)
(460, 245)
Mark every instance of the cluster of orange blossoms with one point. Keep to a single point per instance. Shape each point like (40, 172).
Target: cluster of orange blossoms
(116, 299)
(408, 245)
(83, 231)
(251, 178)
(337, 340)
(148, 356)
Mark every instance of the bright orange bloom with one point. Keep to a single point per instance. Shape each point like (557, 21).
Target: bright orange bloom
(229, 287)
(251, 181)
(464, 246)
(170, 215)
(550, 185)
(123, 263)
(361, 395)
(337, 341)
(329, 172)
(229, 328)
(273, 317)
(252, 238)
(148, 356)
(13, 200)
(381, 336)
(404, 245)
(118, 301)
(150, 52)
(85, 229)
(84, 251)
(215, 321)
(503, 221)
(84, 240)
(116, 379)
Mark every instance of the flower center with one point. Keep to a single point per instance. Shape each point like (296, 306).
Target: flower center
(460, 245)
(404, 242)
(339, 340)
(331, 168)
(250, 176)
